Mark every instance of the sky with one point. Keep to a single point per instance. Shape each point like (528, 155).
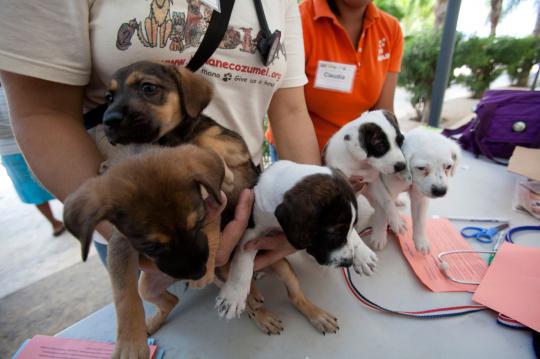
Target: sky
(474, 15)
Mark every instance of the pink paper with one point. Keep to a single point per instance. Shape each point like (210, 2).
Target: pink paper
(511, 285)
(42, 346)
(443, 237)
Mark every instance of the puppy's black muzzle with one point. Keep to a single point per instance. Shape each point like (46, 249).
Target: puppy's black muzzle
(113, 119)
(125, 127)
(438, 191)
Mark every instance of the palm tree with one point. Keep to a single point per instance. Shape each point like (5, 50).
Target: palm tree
(439, 9)
(536, 31)
(495, 14)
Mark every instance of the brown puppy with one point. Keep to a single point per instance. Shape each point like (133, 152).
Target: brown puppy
(157, 201)
(162, 104)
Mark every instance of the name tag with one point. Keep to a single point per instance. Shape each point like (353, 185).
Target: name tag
(335, 76)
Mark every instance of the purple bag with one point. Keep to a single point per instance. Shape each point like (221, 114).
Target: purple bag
(504, 119)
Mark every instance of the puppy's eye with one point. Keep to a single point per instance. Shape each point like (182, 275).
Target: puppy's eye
(420, 168)
(109, 97)
(148, 89)
(448, 167)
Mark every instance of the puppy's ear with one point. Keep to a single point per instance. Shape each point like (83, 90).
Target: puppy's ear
(208, 171)
(83, 210)
(455, 151)
(196, 91)
(390, 117)
(294, 221)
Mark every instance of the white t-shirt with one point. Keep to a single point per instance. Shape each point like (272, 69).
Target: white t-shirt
(79, 42)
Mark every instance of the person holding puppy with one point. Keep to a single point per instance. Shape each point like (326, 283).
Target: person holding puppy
(50, 81)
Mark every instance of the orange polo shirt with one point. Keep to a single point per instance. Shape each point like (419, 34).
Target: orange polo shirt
(377, 53)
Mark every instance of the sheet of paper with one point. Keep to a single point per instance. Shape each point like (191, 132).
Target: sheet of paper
(443, 237)
(511, 285)
(42, 346)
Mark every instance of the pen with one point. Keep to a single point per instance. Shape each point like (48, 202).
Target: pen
(500, 238)
(466, 219)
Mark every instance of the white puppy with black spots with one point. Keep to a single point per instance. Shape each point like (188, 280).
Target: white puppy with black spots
(367, 147)
(431, 160)
(316, 209)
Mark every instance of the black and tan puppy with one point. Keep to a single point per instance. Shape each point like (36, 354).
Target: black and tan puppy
(156, 201)
(163, 104)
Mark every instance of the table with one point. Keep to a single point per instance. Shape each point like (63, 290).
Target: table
(193, 330)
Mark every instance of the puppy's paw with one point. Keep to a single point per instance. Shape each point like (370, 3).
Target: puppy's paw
(399, 202)
(255, 299)
(364, 261)
(231, 301)
(267, 321)
(422, 245)
(323, 321)
(128, 349)
(378, 242)
(397, 224)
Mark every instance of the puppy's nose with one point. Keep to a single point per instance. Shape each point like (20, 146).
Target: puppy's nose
(112, 118)
(345, 262)
(399, 166)
(438, 191)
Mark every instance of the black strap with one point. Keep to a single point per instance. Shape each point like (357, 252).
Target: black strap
(212, 38)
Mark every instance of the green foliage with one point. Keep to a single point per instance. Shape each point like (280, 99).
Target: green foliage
(518, 55)
(418, 66)
(488, 58)
(480, 55)
(391, 7)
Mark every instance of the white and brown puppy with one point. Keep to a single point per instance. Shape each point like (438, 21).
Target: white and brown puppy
(367, 147)
(431, 160)
(316, 209)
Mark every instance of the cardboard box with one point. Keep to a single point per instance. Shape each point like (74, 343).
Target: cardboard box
(525, 162)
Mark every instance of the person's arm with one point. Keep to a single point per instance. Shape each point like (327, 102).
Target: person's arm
(292, 128)
(47, 122)
(386, 99)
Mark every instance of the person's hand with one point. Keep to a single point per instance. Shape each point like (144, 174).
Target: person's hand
(357, 183)
(234, 230)
(364, 175)
(275, 247)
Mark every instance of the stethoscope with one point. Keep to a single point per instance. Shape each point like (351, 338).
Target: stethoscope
(444, 267)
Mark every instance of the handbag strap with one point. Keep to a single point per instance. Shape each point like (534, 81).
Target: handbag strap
(212, 38)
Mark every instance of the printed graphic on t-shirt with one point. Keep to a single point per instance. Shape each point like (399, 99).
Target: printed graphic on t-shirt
(177, 30)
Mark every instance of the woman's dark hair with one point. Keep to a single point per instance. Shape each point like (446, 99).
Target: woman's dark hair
(333, 7)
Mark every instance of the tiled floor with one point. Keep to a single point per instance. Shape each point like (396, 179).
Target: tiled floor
(44, 286)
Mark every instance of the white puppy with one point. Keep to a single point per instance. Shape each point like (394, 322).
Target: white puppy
(431, 160)
(367, 147)
(316, 209)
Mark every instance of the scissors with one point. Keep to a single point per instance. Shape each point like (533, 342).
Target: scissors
(484, 235)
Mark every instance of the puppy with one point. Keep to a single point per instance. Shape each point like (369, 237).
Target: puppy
(156, 202)
(152, 103)
(367, 147)
(316, 209)
(431, 160)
